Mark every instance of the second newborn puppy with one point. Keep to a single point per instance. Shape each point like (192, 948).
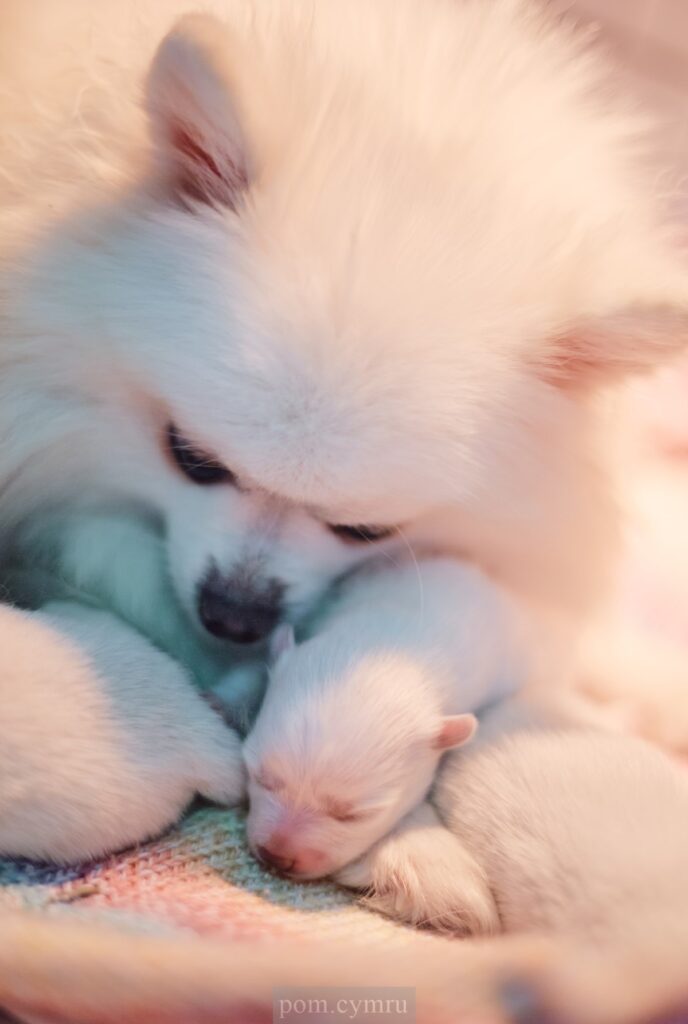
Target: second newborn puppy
(582, 838)
(546, 826)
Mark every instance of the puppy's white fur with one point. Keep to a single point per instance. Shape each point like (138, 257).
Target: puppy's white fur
(379, 259)
(562, 830)
(355, 720)
(546, 825)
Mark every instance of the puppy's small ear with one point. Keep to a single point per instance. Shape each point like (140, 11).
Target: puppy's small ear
(193, 113)
(281, 641)
(455, 731)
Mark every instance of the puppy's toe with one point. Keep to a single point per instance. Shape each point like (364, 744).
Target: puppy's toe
(220, 772)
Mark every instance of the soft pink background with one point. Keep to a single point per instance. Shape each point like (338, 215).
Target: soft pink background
(650, 40)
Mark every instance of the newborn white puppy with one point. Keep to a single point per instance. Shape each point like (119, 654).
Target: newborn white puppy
(348, 762)
(580, 835)
(344, 744)
(550, 827)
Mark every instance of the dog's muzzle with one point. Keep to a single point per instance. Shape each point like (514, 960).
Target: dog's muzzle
(236, 613)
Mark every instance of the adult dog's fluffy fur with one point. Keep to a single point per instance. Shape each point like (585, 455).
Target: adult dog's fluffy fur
(380, 259)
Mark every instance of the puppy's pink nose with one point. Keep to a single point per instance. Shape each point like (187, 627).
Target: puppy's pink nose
(274, 860)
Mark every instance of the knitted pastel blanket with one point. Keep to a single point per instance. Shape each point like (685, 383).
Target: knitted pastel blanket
(189, 929)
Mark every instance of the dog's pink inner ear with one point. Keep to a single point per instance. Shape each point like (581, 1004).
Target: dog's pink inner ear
(455, 731)
(194, 121)
(603, 349)
(204, 175)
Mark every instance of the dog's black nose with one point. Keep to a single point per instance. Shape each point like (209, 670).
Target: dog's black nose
(227, 616)
(274, 860)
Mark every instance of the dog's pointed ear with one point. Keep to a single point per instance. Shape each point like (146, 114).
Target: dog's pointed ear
(638, 320)
(454, 731)
(192, 107)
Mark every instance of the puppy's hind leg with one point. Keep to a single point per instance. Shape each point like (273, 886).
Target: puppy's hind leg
(421, 874)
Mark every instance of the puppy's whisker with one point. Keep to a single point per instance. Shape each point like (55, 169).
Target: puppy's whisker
(390, 557)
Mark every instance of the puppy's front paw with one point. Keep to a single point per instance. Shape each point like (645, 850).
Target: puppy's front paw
(218, 760)
(422, 875)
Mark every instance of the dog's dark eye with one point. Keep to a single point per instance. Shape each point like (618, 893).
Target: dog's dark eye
(198, 465)
(361, 534)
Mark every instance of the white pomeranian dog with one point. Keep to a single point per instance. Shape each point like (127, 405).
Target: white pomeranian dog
(285, 286)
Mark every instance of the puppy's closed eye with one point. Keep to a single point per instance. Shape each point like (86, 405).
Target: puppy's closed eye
(268, 781)
(350, 817)
(341, 811)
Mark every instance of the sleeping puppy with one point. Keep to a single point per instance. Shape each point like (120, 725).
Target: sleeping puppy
(545, 825)
(580, 835)
(333, 763)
